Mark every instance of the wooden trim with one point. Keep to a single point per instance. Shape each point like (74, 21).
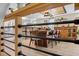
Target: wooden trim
(17, 31)
(0, 42)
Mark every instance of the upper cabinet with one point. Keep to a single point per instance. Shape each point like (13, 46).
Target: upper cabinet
(76, 6)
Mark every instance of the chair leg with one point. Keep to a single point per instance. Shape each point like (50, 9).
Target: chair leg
(30, 42)
(55, 42)
(36, 43)
(52, 44)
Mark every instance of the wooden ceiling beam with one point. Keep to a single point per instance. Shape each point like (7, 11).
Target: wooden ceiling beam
(33, 8)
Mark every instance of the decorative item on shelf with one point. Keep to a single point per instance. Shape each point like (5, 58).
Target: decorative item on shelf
(46, 14)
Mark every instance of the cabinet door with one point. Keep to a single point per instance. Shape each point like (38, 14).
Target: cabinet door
(64, 33)
(69, 33)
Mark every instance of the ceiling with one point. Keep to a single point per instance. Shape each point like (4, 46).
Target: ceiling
(3, 9)
(5, 6)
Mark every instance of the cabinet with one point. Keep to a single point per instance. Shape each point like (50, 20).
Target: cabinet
(67, 32)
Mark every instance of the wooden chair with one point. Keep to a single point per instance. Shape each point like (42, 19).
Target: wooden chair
(33, 33)
(38, 42)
